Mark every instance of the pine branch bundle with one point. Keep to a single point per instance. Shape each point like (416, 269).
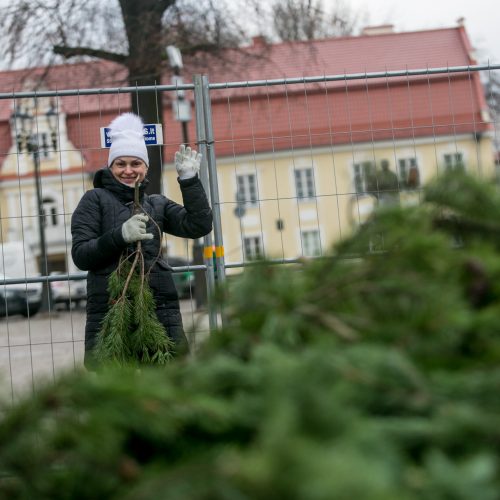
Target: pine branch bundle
(149, 341)
(131, 331)
(111, 343)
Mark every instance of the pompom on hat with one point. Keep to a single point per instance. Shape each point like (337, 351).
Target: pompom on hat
(127, 138)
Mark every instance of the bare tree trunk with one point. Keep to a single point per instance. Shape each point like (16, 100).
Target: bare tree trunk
(143, 24)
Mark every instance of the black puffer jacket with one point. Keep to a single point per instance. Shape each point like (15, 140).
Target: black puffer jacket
(97, 243)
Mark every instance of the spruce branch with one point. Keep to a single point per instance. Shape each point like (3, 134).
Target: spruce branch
(131, 331)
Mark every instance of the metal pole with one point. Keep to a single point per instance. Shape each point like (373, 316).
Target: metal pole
(214, 185)
(200, 282)
(46, 291)
(185, 136)
(202, 147)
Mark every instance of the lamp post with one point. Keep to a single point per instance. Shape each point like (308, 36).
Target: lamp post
(27, 140)
(182, 113)
(181, 106)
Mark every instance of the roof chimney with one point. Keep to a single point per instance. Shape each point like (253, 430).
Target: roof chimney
(259, 41)
(382, 29)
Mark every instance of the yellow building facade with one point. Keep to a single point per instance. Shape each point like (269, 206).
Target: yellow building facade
(59, 167)
(300, 203)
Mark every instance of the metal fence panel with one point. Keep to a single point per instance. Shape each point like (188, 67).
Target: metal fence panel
(292, 166)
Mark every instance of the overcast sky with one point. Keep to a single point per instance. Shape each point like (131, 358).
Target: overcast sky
(482, 18)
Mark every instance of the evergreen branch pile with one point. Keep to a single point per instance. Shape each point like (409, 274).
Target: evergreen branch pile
(366, 375)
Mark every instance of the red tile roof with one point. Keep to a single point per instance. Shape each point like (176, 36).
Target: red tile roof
(248, 120)
(370, 53)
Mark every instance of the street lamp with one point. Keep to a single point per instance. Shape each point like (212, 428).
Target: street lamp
(24, 124)
(181, 106)
(53, 122)
(182, 113)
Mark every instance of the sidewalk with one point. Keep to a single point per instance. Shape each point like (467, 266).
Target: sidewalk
(39, 348)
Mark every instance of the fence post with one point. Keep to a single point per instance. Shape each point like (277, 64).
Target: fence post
(214, 185)
(207, 240)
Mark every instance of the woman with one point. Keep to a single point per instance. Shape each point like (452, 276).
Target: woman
(103, 226)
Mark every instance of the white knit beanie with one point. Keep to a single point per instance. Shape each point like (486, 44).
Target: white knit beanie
(127, 138)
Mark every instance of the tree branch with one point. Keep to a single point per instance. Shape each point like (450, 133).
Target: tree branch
(163, 5)
(68, 52)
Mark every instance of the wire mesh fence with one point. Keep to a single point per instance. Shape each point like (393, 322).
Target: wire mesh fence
(292, 166)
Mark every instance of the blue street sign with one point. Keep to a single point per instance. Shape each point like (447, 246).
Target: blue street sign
(153, 134)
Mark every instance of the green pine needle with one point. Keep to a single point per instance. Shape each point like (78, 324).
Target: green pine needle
(111, 345)
(131, 332)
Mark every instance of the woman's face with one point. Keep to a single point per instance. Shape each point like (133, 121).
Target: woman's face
(129, 170)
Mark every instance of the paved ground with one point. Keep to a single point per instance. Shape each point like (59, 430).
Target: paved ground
(48, 344)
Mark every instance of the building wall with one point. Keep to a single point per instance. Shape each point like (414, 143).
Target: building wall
(336, 207)
(62, 181)
(273, 135)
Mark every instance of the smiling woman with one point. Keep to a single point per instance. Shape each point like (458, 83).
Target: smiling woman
(118, 220)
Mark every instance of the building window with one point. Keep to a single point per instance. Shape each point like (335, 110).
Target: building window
(454, 161)
(409, 175)
(304, 184)
(247, 189)
(311, 244)
(252, 248)
(50, 214)
(42, 140)
(364, 173)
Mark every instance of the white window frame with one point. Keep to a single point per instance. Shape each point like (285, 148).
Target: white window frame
(405, 165)
(43, 140)
(305, 190)
(51, 212)
(247, 189)
(360, 172)
(252, 248)
(454, 161)
(311, 242)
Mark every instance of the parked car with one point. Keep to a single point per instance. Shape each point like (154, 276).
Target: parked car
(20, 298)
(68, 292)
(184, 280)
(17, 262)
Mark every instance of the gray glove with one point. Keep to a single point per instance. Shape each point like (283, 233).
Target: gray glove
(134, 229)
(187, 162)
